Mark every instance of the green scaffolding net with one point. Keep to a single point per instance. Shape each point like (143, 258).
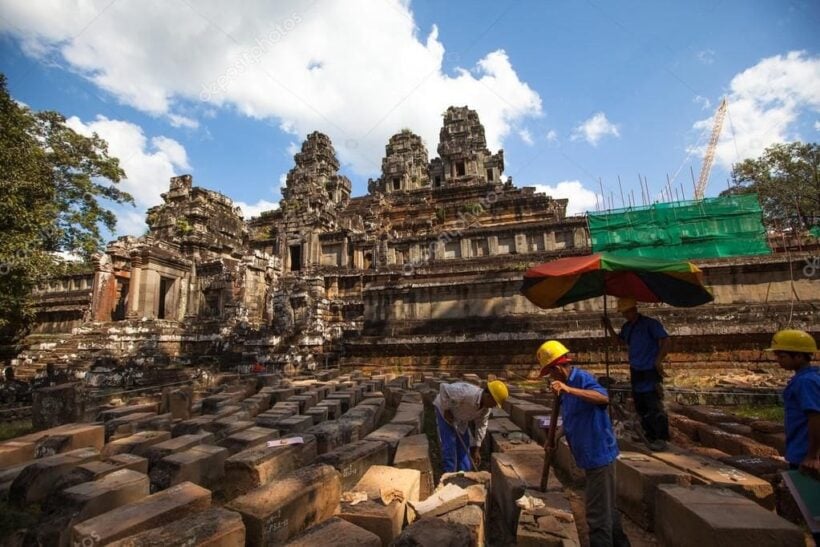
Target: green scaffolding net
(709, 228)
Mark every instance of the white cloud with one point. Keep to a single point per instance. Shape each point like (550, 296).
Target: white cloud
(526, 136)
(580, 198)
(256, 209)
(130, 221)
(356, 70)
(552, 136)
(594, 129)
(703, 102)
(250, 210)
(706, 56)
(182, 121)
(817, 126)
(765, 103)
(148, 164)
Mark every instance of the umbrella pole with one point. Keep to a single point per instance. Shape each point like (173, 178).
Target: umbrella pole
(606, 362)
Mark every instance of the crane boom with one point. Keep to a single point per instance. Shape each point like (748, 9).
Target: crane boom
(709, 157)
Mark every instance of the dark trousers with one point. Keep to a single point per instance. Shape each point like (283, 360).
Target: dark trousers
(653, 418)
(603, 519)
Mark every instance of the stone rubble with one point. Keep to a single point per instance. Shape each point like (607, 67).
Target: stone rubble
(200, 482)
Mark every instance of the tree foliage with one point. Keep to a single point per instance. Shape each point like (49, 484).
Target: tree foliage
(787, 181)
(52, 185)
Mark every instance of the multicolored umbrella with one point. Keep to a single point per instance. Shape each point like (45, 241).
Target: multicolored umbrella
(567, 280)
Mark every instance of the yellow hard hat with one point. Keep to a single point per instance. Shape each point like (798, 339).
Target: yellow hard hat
(499, 391)
(793, 340)
(626, 304)
(550, 351)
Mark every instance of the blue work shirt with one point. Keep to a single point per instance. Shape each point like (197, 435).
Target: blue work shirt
(587, 426)
(642, 338)
(802, 395)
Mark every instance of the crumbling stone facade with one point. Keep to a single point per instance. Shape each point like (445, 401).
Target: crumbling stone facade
(421, 271)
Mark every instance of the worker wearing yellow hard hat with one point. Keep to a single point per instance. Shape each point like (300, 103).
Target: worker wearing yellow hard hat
(457, 405)
(647, 344)
(590, 437)
(794, 350)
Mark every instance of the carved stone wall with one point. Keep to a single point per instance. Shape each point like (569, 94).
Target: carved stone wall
(436, 248)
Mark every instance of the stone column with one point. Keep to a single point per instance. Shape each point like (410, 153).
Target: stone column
(521, 246)
(466, 251)
(415, 254)
(182, 303)
(344, 252)
(134, 292)
(439, 250)
(549, 241)
(192, 297)
(492, 245)
(580, 237)
(149, 287)
(103, 295)
(315, 250)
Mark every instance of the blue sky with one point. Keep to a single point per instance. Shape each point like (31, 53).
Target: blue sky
(573, 91)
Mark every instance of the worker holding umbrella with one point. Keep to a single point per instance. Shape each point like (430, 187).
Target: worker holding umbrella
(564, 281)
(590, 437)
(647, 343)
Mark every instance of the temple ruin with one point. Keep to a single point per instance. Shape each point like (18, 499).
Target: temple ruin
(422, 271)
(354, 311)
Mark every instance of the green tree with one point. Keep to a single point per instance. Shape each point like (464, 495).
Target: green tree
(786, 179)
(52, 182)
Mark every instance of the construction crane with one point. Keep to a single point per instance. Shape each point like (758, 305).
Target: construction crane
(709, 158)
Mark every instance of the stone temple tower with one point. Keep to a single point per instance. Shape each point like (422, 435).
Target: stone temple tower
(312, 199)
(463, 155)
(405, 165)
(314, 184)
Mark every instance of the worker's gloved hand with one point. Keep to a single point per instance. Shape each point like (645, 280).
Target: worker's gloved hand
(448, 416)
(475, 454)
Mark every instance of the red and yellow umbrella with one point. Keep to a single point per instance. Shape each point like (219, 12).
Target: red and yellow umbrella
(567, 280)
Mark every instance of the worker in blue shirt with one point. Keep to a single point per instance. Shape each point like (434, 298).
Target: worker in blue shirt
(590, 438)
(647, 343)
(793, 350)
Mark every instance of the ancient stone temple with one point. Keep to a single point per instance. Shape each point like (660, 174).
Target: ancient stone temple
(422, 271)
(370, 304)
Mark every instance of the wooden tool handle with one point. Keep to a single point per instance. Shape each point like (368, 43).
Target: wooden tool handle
(549, 445)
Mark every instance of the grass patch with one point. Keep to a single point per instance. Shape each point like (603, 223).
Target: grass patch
(774, 413)
(10, 430)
